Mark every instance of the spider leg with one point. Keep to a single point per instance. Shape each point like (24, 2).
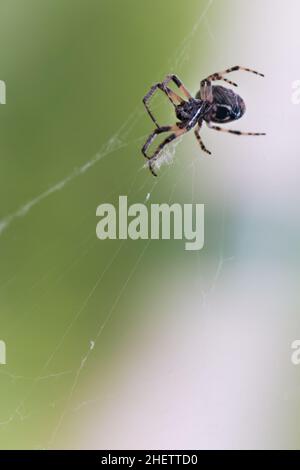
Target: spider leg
(153, 135)
(173, 97)
(238, 67)
(206, 91)
(177, 131)
(231, 131)
(198, 137)
(220, 75)
(179, 84)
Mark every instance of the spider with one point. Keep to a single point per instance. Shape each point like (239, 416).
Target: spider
(212, 104)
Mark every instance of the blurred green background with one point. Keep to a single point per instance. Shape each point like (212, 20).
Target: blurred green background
(78, 314)
(75, 71)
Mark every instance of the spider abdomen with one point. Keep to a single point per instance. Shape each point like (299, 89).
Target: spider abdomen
(228, 106)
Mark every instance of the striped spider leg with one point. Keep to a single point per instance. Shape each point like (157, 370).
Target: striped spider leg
(176, 131)
(173, 97)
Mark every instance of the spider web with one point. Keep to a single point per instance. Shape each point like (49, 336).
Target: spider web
(116, 143)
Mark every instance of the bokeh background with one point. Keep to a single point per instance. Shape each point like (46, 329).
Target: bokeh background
(141, 344)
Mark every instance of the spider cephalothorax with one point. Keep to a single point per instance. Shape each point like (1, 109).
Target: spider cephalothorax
(212, 104)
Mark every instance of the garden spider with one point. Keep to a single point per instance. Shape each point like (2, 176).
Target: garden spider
(212, 104)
